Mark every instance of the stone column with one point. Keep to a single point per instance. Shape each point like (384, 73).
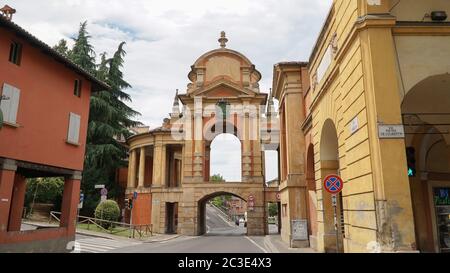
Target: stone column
(142, 168)
(71, 197)
(159, 164)
(7, 172)
(18, 198)
(246, 151)
(132, 169)
(198, 140)
(295, 154)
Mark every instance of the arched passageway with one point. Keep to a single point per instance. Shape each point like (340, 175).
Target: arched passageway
(222, 214)
(426, 116)
(329, 157)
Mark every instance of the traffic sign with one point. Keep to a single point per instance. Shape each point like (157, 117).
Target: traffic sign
(251, 205)
(80, 205)
(333, 184)
(104, 192)
(99, 186)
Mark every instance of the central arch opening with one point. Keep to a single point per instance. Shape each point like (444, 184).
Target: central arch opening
(222, 214)
(225, 157)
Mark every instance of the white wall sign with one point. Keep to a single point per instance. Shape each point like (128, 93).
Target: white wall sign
(354, 125)
(300, 230)
(324, 64)
(391, 131)
(374, 2)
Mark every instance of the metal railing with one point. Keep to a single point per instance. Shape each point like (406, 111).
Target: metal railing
(112, 227)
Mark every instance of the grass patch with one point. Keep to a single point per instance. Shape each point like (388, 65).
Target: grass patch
(118, 231)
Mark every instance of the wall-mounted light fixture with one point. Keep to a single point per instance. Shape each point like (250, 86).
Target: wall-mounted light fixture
(438, 16)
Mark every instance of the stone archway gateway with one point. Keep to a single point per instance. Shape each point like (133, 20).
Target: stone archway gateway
(169, 167)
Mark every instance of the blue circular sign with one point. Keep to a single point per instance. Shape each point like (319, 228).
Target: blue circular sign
(104, 192)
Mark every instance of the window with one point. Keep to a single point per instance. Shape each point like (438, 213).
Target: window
(15, 53)
(10, 103)
(77, 88)
(73, 135)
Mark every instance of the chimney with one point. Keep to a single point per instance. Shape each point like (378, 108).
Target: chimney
(7, 12)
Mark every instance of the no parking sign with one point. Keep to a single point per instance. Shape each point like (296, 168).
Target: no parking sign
(333, 184)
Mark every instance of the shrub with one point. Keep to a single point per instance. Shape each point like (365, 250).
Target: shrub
(108, 210)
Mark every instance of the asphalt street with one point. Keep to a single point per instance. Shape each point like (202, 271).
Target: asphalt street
(222, 237)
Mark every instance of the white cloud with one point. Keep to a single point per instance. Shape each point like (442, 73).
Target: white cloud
(164, 38)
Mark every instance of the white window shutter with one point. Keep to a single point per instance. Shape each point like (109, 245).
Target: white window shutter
(10, 105)
(73, 135)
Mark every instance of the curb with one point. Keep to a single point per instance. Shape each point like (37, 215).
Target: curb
(162, 240)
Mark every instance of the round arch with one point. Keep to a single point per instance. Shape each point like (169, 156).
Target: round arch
(426, 117)
(312, 195)
(329, 159)
(225, 157)
(201, 217)
(428, 103)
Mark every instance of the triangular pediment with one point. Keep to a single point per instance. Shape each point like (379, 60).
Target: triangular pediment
(224, 89)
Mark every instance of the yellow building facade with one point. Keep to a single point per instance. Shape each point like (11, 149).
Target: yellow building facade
(374, 109)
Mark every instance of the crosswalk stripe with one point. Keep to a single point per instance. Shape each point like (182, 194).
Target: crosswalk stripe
(110, 244)
(98, 245)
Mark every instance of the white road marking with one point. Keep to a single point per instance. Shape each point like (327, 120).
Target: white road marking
(270, 246)
(253, 242)
(100, 245)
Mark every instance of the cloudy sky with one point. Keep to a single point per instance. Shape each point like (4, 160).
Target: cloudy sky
(164, 38)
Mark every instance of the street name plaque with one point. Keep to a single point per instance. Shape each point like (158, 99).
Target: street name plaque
(391, 131)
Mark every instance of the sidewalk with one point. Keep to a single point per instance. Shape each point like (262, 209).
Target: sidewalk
(275, 244)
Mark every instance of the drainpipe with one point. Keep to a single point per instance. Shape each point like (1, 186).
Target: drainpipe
(266, 222)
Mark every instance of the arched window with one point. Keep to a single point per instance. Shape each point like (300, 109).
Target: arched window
(225, 157)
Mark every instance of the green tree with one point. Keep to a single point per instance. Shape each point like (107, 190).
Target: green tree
(62, 47)
(273, 209)
(44, 190)
(83, 52)
(109, 119)
(217, 178)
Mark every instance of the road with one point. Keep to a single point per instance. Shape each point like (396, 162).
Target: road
(217, 224)
(222, 237)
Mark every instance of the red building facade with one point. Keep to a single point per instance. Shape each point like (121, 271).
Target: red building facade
(45, 104)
